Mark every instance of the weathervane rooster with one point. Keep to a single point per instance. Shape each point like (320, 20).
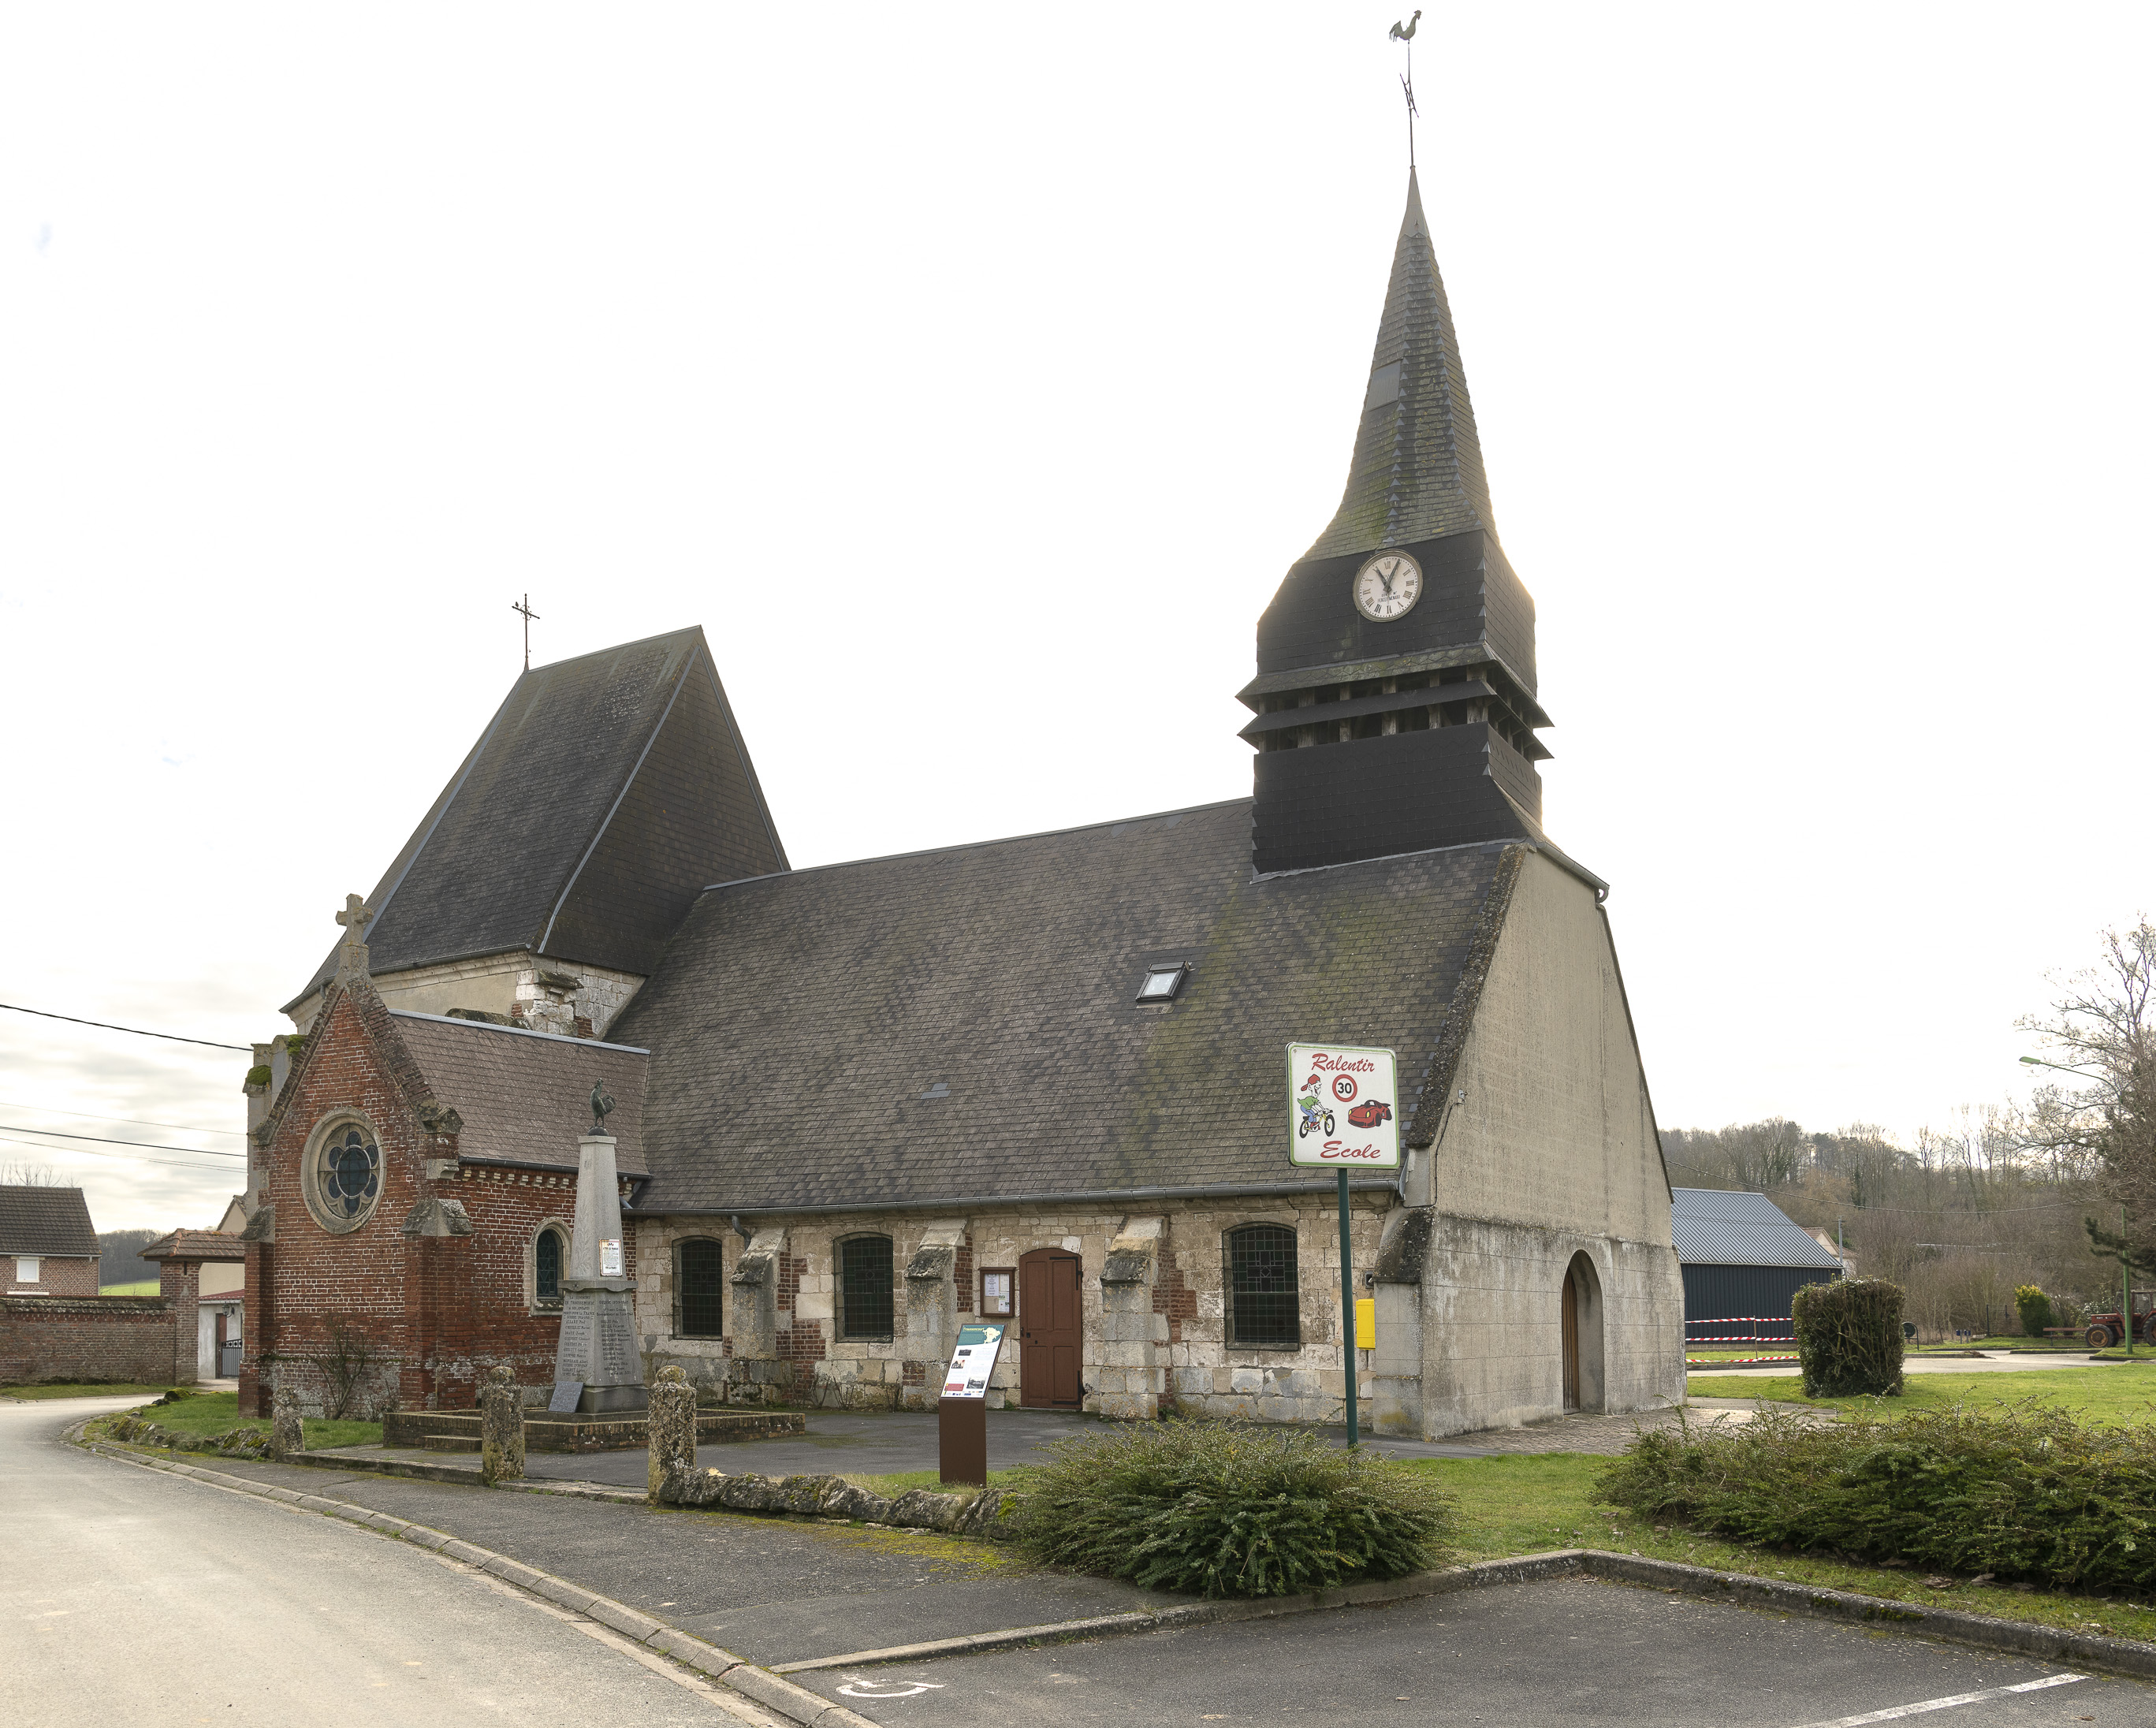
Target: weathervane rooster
(1404, 33)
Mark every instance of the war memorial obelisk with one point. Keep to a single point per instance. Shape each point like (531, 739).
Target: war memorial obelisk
(598, 1350)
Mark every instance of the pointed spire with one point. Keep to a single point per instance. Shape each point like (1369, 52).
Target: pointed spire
(1418, 468)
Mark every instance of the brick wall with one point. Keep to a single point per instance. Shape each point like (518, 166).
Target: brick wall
(88, 1338)
(58, 1276)
(433, 1314)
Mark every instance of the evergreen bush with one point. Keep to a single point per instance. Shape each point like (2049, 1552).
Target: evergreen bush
(1227, 1508)
(2026, 1493)
(1849, 1338)
(2035, 1308)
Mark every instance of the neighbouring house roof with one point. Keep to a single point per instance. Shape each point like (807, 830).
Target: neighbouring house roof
(1715, 1227)
(46, 1222)
(961, 1023)
(526, 1096)
(605, 792)
(195, 1245)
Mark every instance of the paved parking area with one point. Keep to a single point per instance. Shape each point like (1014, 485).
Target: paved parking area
(1570, 1652)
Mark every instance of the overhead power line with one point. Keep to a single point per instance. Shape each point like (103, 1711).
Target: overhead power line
(106, 1025)
(134, 1157)
(46, 1109)
(202, 1151)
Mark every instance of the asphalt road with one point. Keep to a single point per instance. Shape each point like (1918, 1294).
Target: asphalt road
(132, 1596)
(1572, 1653)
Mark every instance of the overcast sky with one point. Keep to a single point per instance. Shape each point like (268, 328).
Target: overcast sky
(973, 375)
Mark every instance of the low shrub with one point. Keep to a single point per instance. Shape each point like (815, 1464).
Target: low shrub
(2035, 1308)
(1849, 1338)
(1227, 1508)
(2027, 1492)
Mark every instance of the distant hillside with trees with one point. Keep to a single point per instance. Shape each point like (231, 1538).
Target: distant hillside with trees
(2002, 1196)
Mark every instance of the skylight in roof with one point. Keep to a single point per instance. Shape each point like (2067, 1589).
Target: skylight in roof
(1162, 983)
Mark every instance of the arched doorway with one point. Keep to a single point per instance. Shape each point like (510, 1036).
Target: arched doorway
(1050, 1330)
(1580, 1334)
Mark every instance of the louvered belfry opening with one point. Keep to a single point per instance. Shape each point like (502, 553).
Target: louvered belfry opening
(1401, 729)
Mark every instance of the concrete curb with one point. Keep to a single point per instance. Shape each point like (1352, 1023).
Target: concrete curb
(760, 1686)
(767, 1686)
(464, 1477)
(1524, 1570)
(2019, 1637)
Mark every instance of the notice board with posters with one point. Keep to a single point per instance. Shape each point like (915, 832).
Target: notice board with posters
(1342, 1107)
(974, 1361)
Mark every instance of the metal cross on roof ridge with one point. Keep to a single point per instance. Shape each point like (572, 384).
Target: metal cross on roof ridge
(524, 606)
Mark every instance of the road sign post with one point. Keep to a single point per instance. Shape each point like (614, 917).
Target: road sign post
(1342, 1100)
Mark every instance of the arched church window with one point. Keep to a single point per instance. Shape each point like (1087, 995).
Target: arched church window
(341, 1178)
(1263, 1307)
(546, 1253)
(866, 1302)
(699, 1284)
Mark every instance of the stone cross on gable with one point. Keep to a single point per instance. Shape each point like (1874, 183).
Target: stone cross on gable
(355, 918)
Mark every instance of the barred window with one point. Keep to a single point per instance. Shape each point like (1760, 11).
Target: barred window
(1261, 1281)
(701, 1282)
(865, 1287)
(546, 1268)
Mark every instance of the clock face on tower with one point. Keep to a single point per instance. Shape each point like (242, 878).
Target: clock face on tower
(1387, 586)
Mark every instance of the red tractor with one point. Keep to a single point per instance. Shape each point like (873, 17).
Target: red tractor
(2106, 1330)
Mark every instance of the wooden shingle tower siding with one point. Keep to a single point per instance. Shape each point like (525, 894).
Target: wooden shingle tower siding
(1433, 712)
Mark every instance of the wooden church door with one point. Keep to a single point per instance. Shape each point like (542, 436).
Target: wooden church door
(1569, 1303)
(1049, 1328)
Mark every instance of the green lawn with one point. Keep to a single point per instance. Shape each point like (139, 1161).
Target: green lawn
(90, 1390)
(142, 1287)
(2118, 1394)
(217, 1412)
(1527, 1504)
(905, 1481)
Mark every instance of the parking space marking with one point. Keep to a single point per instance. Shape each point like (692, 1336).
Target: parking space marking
(1917, 1710)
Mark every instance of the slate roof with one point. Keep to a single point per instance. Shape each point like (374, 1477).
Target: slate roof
(605, 792)
(526, 1096)
(1713, 1227)
(194, 1245)
(1417, 473)
(960, 1023)
(46, 1221)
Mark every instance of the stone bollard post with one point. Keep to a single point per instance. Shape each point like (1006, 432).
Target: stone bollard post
(285, 1435)
(501, 1429)
(670, 1430)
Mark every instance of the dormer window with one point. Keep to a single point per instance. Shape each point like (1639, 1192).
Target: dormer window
(1162, 983)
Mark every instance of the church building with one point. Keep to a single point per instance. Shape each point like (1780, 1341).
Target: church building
(1039, 1079)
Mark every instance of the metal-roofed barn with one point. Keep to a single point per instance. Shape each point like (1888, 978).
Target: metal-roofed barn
(1743, 1255)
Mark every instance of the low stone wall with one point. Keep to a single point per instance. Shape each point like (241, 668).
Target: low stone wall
(88, 1339)
(991, 1516)
(589, 1434)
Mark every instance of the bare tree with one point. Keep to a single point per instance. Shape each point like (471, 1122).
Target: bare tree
(21, 1173)
(346, 1364)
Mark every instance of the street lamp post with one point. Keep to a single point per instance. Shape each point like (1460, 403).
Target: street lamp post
(2125, 1271)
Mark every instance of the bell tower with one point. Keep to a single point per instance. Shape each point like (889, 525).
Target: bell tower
(1394, 704)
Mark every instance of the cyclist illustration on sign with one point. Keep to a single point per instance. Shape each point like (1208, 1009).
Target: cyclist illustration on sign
(1314, 1113)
